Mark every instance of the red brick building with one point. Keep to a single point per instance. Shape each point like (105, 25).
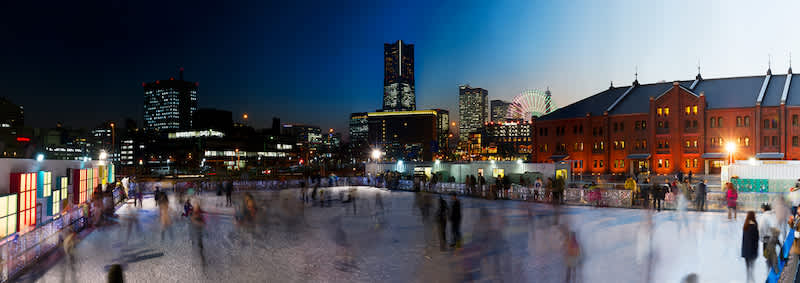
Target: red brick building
(674, 126)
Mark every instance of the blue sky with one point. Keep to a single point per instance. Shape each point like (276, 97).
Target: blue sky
(316, 61)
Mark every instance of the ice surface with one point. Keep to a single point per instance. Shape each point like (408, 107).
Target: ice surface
(296, 243)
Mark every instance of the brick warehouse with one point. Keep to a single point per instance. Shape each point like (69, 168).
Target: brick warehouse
(670, 126)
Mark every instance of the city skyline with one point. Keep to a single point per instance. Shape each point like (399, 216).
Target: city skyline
(269, 70)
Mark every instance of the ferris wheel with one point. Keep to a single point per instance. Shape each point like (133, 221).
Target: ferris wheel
(531, 102)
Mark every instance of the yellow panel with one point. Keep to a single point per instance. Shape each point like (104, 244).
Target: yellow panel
(23, 181)
(12, 223)
(3, 227)
(12, 204)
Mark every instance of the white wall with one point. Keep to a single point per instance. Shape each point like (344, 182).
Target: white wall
(460, 170)
(58, 167)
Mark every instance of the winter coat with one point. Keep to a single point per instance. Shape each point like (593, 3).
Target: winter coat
(455, 212)
(732, 196)
(766, 222)
(700, 192)
(750, 242)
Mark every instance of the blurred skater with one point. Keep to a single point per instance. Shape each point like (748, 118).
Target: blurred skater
(197, 226)
(750, 243)
(455, 219)
(441, 220)
(572, 256)
(700, 196)
(69, 253)
(731, 196)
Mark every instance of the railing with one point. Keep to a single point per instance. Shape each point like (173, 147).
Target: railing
(23, 249)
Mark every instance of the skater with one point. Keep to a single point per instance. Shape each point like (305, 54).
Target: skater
(69, 253)
(750, 243)
(163, 208)
(731, 195)
(197, 226)
(572, 256)
(770, 250)
(228, 193)
(659, 193)
(455, 218)
(115, 274)
(187, 209)
(700, 196)
(441, 220)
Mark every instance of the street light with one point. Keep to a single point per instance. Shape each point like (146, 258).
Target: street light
(39, 157)
(376, 154)
(103, 155)
(730, 147)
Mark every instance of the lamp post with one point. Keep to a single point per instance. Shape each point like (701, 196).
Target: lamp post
(112, 142)
(730, 147)
(237, 158)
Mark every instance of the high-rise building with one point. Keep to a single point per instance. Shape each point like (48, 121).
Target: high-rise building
(169, 104)
(499, 110)
(472, 105)
(359, 128)
(398, 77)
(405, 135)
(443, 129)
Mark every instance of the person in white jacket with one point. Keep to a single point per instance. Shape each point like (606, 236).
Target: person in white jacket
(766, 222)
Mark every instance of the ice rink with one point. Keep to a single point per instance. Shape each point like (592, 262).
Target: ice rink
(294, 242)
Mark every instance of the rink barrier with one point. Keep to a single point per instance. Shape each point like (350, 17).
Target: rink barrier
(21, 250)
(608, 197)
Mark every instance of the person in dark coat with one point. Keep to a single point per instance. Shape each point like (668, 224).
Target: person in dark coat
(455, 218)
(659, 192)
(750, 243)
(441, 220)
(700, 196)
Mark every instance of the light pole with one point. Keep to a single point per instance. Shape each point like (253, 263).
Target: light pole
(112, 142)
(730, 147)
(237, 158)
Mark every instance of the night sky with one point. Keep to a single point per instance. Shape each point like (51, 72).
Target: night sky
(82, 62)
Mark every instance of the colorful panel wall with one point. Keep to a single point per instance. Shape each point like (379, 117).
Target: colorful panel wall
(80, 183)
(24, 185)
(8, 215)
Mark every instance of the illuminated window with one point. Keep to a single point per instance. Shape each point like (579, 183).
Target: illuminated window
(694, 162)
(666, 111)
(24, 185)
(660, 111)
(8, 215)
(694, 109)
(79, 185)
(688, 111)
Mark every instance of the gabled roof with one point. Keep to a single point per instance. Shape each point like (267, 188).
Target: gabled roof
(731, 92)
(595, 104)
(772, 97)
(720, 93)
(638, 100)
(793, 97)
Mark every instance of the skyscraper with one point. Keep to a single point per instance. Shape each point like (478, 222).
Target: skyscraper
(472, 104)
(499, 110)
(169, 104)
(398, 77)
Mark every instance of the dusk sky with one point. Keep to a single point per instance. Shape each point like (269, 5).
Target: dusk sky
(315, 62)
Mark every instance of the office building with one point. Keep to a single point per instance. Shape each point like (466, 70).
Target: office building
(169, 104)
(472, 106)
(499, 110)
(398, 77)
(405, 135)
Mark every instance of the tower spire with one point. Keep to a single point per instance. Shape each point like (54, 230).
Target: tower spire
(636, 76)
(698, 77)
(769, 64)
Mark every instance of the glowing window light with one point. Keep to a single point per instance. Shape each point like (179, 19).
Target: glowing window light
(24, 185)
(79, 185)
(8, 215)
